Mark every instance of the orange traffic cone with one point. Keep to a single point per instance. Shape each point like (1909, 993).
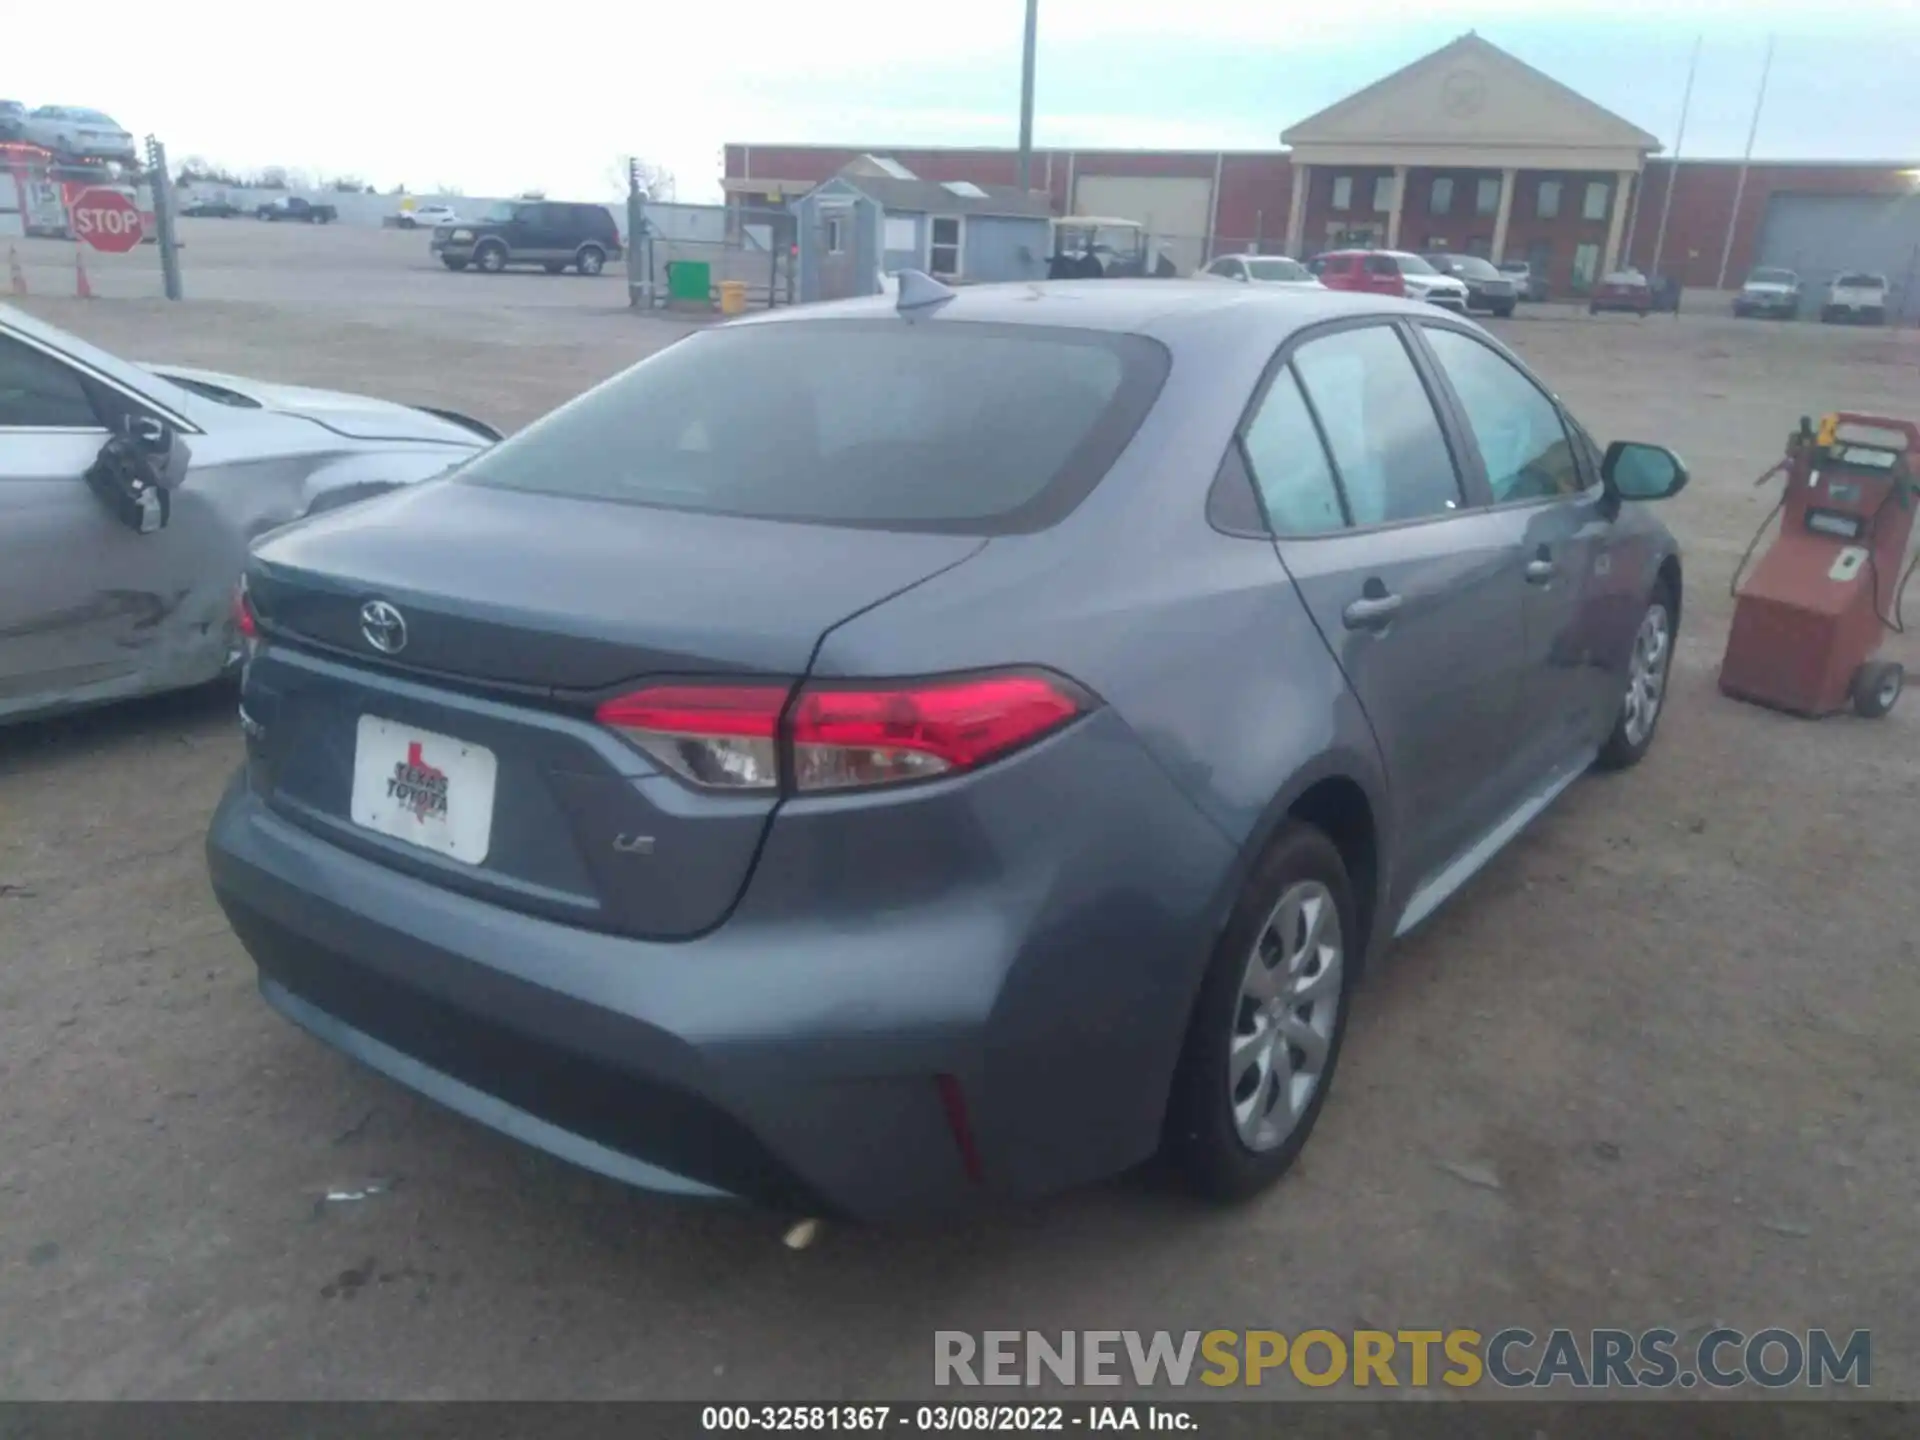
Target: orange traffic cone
(15, 273)
(81, 289)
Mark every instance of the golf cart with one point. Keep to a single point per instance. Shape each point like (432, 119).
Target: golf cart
(1097, 247)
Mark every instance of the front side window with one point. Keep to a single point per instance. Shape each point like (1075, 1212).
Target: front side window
(1343, 192)
(1546, 203)
(973, 428)
(1381, 265)
(1290, 469)
(1594, 207)
(1440, 201)
(943, 255)
(1515, 424)
(1387, 444)
(37, 392)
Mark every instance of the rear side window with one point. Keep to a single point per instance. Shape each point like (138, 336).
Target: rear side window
(1386, 440)
(1381, 265)
(983, 429)
(1290, 469)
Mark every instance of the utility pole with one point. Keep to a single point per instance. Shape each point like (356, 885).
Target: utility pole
(160, 182)
(1673, 166)
(1740, 185)
(1026, 95)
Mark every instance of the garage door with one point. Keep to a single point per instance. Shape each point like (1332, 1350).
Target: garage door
(1175, 211)
(1818, 236)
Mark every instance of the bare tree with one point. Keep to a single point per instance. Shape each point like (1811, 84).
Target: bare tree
(656, 181)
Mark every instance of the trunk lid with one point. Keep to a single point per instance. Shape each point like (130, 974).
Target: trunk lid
(520, 611)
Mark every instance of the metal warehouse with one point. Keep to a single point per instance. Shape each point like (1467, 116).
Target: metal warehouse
(1467, 148)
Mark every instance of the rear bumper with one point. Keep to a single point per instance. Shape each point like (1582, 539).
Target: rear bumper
(790, 1062)
(1785, 305)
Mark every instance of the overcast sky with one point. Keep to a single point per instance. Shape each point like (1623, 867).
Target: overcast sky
(402, 91)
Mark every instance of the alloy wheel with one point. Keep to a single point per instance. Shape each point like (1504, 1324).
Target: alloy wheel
(1284, 1021)
(1647, 674)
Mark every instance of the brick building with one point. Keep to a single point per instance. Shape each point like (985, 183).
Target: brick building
(1467, 148)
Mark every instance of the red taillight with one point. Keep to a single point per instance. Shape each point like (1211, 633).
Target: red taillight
(244, 623)
(723, 736)
(867, 736)
(838, 736)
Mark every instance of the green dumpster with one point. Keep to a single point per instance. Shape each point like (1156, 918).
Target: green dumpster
(690, 280)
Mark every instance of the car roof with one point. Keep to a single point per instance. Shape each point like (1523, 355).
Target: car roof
(1181, 313)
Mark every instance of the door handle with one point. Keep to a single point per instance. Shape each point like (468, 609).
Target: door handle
(1539, 572)
(1371, 612)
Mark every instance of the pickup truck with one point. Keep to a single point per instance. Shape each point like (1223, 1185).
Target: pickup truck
(292, 207)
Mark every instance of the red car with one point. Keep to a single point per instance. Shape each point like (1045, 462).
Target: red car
(1626, 290)
(1389, 272)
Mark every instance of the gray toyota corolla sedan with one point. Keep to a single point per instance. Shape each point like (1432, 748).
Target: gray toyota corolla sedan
(880, 756)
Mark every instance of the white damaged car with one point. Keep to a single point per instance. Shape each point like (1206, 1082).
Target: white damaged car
(129, 495)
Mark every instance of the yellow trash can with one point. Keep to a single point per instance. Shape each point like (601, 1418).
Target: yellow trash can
(733, 297)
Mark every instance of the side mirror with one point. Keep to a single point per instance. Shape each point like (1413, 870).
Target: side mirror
(1634, 471)
(160, 445)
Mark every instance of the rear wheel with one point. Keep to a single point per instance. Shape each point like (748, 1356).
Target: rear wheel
(1266, 1031)
(491, 257)
(591, 259)
(1647, 670)
(1877, 686)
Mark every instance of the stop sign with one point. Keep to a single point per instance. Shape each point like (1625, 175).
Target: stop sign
(106, 220)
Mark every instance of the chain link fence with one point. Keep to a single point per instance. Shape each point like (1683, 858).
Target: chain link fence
(681, 255)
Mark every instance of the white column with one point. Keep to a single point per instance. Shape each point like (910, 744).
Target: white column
(1393, 210)
(1618, 223)
(1297, 208)
(1508, 179)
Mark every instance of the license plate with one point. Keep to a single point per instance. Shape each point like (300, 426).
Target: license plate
(430, 790)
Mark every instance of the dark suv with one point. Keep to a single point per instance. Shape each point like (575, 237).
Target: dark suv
(551, 233)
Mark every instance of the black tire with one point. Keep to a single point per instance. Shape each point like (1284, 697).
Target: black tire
(1623, 749)
(1593, 309)
(1201, 1138)
(490, 256)
(554, 267)
(1503, 312)
(1875, 317)
(453, 264)
(590, 260)
(1829, 315)
(1876, 688)
(407, 222)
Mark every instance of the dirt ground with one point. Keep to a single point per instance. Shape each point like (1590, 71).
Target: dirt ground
(1656, 1066)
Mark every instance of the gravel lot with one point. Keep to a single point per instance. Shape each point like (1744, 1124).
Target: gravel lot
(1657, 1066)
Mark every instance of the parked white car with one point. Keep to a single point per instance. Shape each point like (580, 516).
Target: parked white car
(1856, 295)
(426, 217)
(1263, 270)
(1769, 291)
(85, 134)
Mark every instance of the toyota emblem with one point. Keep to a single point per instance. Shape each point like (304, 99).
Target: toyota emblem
(384, 627)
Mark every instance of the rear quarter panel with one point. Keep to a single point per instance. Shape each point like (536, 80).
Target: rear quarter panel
(1207, 665)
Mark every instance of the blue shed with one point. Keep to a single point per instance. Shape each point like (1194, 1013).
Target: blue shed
(876, 217)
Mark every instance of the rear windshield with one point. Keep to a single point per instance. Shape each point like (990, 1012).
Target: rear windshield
(1770, 277)
(891, 424)
(1277, 269)
(1864, 282)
